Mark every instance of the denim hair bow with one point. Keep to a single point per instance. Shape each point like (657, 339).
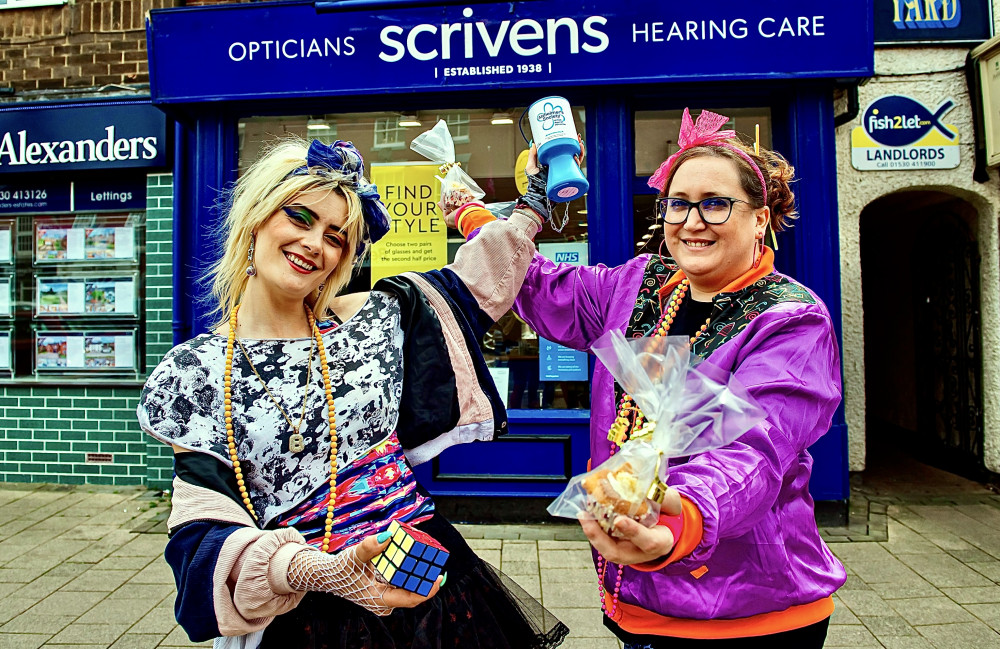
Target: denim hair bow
(344, 159)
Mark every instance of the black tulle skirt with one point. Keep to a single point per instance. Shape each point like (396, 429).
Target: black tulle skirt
(477, 607)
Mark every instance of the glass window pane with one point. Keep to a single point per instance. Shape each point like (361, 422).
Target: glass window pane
(530, 371)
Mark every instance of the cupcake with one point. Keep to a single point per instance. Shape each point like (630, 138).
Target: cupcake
(616, 492)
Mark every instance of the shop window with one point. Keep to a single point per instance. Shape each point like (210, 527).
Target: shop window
(655, 141)
(458, 126)
(531, 372)
(70, 295)
(388, 134)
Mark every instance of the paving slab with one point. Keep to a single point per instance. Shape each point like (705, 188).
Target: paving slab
(924, 572)
(960, 636)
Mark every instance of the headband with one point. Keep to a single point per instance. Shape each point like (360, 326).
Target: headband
(704, 132)
(342, 158)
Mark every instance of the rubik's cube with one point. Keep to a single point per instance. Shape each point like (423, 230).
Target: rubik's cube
(413, 559)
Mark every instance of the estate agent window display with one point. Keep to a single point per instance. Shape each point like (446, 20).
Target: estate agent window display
(72, 286)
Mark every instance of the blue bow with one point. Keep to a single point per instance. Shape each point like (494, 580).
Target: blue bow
(343, 158)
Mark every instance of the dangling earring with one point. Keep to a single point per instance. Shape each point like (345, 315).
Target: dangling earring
(321, 287)
(251, 271)
(758, 256)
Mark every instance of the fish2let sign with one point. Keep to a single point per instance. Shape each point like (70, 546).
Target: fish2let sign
(900, 133)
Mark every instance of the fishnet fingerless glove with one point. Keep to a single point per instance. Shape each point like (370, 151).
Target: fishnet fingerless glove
(341, 574)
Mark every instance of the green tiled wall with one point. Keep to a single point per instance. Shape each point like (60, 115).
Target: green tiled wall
(45, 431)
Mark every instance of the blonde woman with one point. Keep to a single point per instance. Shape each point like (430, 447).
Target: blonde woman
(295, 423)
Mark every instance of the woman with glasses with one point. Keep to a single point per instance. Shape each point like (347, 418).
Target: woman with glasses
(295, 422)
(736, 559)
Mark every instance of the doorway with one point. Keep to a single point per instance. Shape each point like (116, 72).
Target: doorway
(923, 374)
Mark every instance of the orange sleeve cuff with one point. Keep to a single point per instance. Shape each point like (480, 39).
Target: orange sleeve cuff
(685, 543)
(471, 217)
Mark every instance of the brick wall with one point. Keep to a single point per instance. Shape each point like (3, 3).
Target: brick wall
(159, 305)
(46, 431)
(83, 44)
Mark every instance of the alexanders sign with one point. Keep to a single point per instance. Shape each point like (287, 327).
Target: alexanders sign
(900, 133)
(82, 137)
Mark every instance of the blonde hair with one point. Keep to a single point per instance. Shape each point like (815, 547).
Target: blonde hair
(266, 187)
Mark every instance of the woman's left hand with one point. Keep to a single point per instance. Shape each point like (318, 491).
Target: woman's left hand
(641, 544)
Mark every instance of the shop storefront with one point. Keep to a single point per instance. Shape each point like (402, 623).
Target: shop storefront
(82, 286)
(379, 73)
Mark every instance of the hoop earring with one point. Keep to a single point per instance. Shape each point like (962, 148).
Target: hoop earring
(757, 257)
(321, 287)
(251, 271)
(663, 261)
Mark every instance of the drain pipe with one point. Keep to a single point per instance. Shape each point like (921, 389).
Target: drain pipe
(853, 107)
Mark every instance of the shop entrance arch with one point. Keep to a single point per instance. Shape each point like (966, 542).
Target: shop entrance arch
(923, 374)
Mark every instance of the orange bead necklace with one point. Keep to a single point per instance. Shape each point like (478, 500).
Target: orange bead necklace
(630, 418)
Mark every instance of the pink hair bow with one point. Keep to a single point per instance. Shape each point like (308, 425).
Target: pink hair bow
(704, 131)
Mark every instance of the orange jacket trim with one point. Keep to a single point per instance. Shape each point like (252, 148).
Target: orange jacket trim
(746, 279)
(691, 534)
(636, 619)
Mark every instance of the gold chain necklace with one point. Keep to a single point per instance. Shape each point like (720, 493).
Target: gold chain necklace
(331, 410)
(296, 443)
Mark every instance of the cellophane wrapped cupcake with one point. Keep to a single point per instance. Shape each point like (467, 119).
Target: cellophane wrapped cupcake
(457, 187)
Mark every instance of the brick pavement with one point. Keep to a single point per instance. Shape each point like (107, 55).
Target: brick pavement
(82, 567)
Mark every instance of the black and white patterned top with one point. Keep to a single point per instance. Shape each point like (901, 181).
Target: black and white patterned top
(182, 401)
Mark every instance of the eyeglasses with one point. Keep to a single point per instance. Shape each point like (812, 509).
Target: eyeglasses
(714, 210)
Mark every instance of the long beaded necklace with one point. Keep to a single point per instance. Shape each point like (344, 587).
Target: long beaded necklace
(630, 418)
(296, 442)
(331, 410)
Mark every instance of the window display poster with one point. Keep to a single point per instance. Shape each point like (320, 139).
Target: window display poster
(101, 297)
(85, 296)
(110, 243)
(54, 242)
(124, 351)
(4, 351)
(85, 351)
(5, 297)
(124, 296)
(556, 362)
(5, 250)
(50, 242)
(50, 352)
(57, 242)
(417, 238)
(53, 296)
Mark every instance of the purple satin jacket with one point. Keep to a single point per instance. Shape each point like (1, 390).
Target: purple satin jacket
(760, 543)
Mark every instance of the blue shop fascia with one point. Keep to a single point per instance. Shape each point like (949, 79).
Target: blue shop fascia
(379, 73)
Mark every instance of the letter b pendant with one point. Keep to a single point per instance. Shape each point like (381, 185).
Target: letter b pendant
(296, 443)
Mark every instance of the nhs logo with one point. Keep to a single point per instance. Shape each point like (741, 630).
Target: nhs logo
(565, 252)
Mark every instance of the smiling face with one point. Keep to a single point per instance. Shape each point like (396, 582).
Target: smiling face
(300, 245)
(712, 256)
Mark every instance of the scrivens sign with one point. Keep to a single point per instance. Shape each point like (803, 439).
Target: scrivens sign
(259, 50)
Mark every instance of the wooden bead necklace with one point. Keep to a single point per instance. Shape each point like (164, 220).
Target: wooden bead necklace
(331, 410)
(629, 418)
